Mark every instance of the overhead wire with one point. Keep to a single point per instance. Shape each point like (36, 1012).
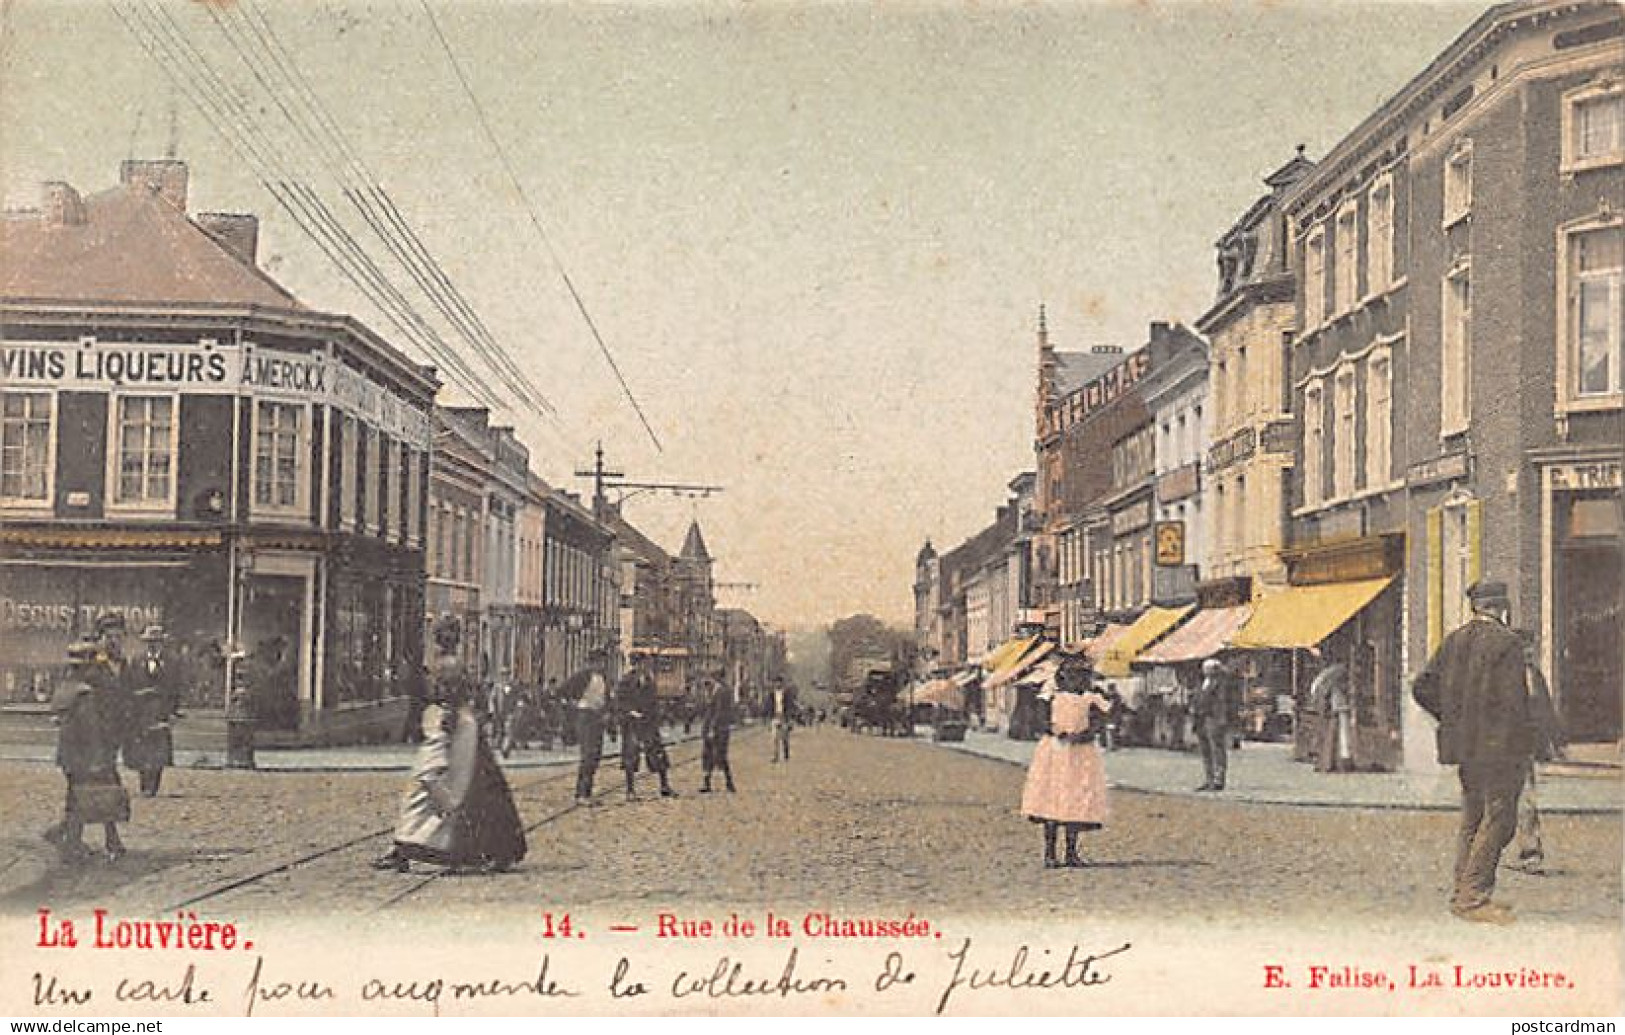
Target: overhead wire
(536, 223)
(167, 43)
(370, 199)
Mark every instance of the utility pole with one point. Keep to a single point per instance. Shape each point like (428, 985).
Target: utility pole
(604, 479)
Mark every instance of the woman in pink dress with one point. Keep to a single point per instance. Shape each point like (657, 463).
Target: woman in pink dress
(1066, 785)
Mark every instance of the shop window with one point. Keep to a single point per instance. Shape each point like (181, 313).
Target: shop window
(1594, 517)
(1458, 183)
(1592, 258)
(143, 451)
(26, 459)
(1594, 126)
(1379, 237)
(1455, 393)
(279, 456)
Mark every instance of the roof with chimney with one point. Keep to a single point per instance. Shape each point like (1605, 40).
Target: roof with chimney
(133, 243)
(694, 545)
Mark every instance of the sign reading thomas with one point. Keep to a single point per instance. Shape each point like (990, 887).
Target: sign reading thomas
(1170, 537)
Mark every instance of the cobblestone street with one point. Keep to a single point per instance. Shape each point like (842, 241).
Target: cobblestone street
(852, 822)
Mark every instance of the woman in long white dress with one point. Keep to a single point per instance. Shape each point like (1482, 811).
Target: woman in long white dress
(1066, 783)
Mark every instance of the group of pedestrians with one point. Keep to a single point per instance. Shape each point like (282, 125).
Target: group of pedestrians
(458, 811)
(1495, 721)
(108, 707)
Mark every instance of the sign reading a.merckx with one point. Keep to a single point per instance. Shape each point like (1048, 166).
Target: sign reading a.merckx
(1170, 544)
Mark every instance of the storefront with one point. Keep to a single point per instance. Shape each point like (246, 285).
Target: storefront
(1343, 606)
(1582, 625)
(56, 583)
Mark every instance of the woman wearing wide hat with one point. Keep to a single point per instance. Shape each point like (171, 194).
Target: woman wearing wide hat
(1066, 784)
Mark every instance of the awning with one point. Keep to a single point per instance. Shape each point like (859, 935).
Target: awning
(111, 538)
(1303, 616)
(940, 691)
(1147, 629)
(1038, 652)
(1208, 632)
(1007, 652)
(1095, 647)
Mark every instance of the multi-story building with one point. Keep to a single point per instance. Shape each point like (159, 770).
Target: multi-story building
(1176, 393)
(581, 587)
(1071, 475)
(1457, 363)
(183, 442)
(458, 479)
(1249, 441)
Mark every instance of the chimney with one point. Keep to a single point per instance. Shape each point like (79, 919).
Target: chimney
(237, 233)
(63, 205)
(165, 177)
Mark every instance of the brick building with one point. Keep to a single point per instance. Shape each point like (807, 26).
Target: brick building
(183, 442)
(1456, 366)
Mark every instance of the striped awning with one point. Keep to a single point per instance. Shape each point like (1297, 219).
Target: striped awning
(1208, 632)
(1014, 669)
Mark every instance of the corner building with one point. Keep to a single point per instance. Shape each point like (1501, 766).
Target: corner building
(184, 443)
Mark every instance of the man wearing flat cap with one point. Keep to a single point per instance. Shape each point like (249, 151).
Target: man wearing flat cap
(1474, 687)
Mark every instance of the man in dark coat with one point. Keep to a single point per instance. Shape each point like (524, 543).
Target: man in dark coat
(149, 746)
(87, 752)
(586, 695)
(717, 720)
(1474, 687)
(1530, 854)
(1210, 708)
(639, 709)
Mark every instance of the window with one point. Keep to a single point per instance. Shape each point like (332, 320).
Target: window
(1379, 237)
(1343, 433)
(1379, 409)
(1238, 523)
(1314, 279)
(279, 437)
(1242, 394)
(143, 450)
(1346, 272)
(1594, 126)
(348, 432)
(1592, 259)
(1313, 443)
(25, 446)
(1458, 183)
(387, 519)
(1455, 394)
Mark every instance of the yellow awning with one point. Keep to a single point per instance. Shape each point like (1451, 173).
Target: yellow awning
(1303, 616)
(1007, 652)
(1015, 668)
(1146, 630)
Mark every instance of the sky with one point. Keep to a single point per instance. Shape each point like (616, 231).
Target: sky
(813, 236)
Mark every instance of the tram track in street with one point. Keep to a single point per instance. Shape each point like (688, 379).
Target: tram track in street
(227, 891)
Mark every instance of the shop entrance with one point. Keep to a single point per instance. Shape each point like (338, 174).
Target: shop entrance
(1589, 650)
(272, 625)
